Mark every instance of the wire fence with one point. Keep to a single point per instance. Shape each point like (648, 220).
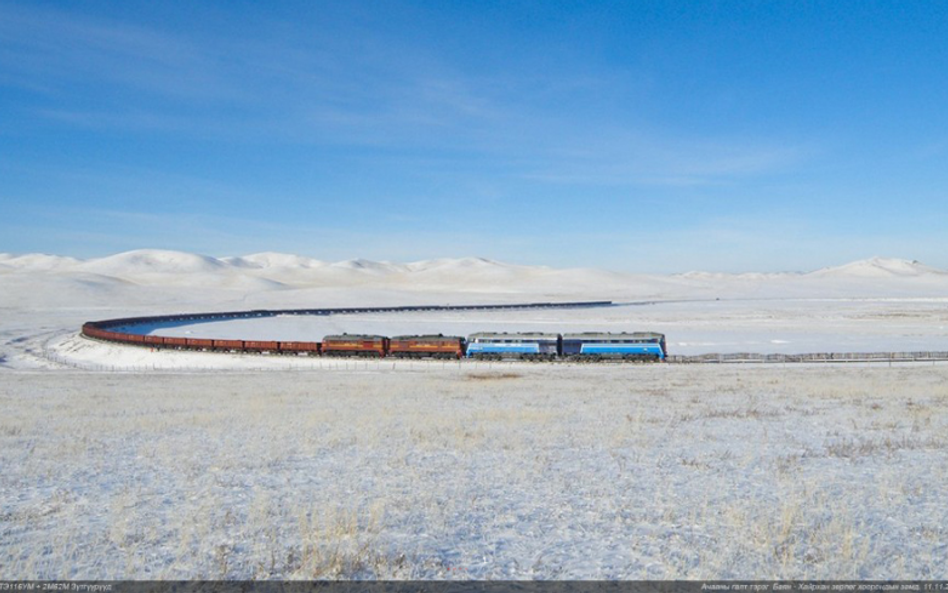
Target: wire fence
(814, 357)
(276, 363)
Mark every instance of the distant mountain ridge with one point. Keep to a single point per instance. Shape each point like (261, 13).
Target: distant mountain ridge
(881, 267)
(169, 261)
(279, 271)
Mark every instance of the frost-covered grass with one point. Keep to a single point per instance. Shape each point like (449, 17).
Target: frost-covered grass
(510, 471)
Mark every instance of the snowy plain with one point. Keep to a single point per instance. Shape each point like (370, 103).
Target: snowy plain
(121, 462)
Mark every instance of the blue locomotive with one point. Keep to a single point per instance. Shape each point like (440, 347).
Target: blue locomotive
(633, 346)
(588, 346)
(495, 346)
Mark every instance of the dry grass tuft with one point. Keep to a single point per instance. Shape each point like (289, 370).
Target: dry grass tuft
(859, 447)
(492, 376)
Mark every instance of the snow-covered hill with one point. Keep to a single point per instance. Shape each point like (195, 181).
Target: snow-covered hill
(37, 262)
(880, 267)
(271, 260)
(149, 261)
(266, 272)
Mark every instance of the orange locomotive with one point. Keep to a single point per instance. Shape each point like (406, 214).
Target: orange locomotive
(355, 345)
(439, 346)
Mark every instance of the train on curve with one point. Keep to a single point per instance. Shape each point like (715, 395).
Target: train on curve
(589, 346)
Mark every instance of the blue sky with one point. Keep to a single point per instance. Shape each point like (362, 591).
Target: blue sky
(637, 136)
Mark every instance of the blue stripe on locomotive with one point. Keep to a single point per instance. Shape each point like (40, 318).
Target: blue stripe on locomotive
(496, 348)
(651, 349)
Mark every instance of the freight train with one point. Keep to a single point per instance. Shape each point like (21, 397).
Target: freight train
(639, 346)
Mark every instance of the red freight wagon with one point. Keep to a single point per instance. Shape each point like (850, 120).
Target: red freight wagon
(228, 344)
(355, 345)
(200, 343)
(438, 346)
(113, 336)
(94, 332)
(154, 340)
(258, 346)
(176, 342)
(299, 347)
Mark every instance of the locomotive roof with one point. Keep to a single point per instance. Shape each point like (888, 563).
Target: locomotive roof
(353, 337)
(614, 336)
(514, 336)
(427, 337)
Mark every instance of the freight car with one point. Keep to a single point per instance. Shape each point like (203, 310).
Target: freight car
(229, 345)
(198, 343)
(261, 346)
(300, 348)
(439, 346)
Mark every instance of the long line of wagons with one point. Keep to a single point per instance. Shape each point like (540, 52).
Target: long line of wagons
(588, 346)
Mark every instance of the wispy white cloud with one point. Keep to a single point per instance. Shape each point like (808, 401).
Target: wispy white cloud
(104, 73)
(48, 47)
(654, 159)
(380, 92)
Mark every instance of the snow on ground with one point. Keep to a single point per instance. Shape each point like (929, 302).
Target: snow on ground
(191, 465)
(516, 471)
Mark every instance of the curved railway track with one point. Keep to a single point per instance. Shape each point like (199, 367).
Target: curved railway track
(117, 331)
(121, 330)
